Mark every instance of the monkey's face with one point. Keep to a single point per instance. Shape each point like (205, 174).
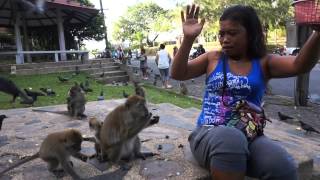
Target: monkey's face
(137, 107)
(73, 141)
(74, 90)
(95, 124)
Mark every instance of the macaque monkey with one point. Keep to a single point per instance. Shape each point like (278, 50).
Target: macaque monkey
(56, 150)
(95, 125)
(139, 90)
(75, 103)
(183, 88)
(119, 133)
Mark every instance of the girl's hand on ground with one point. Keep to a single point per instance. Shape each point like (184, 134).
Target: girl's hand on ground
(191, 27)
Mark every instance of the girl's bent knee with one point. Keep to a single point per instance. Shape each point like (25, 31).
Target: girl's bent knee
(229, 140)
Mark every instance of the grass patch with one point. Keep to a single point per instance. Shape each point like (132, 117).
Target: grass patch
(154, 95)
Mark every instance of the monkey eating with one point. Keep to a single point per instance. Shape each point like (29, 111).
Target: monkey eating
(56, 150)
(119, 138)
(75, 103)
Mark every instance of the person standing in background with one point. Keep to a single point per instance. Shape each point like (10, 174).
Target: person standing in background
(129, 56)
(163, 61)
(143, 63)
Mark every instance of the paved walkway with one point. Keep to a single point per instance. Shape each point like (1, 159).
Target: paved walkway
(24, 130)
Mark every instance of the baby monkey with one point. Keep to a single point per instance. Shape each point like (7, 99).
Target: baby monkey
(56, 150)
(95, 125)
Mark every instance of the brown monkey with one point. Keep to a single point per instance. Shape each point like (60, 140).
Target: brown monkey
(183, 88)
(139, 90)
(119, 133)
(75, 103)
(56, 150)
(95, 125)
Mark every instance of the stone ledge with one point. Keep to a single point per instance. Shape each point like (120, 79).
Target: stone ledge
(28, 128)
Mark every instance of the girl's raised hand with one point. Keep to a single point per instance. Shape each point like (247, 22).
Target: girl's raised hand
(190, 25)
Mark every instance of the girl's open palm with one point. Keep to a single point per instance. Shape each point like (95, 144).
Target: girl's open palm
(190, 25)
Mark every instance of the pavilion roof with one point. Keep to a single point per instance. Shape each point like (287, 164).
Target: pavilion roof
(72, 12)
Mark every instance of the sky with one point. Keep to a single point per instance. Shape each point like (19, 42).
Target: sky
(113, 9)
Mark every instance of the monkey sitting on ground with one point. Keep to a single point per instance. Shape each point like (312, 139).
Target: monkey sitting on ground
(75, 103)
(56, 150)
(9, 87)
(183, 88)
(119, 133)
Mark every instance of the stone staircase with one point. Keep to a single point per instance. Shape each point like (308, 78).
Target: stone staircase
(175, 161)
(110, 69)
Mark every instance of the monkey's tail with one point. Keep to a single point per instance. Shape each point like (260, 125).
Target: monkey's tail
(30, 158)
(56, 112)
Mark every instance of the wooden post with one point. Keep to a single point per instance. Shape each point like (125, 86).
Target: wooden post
(302, 81)
(26, 39)
(61, 35)
(19, 56)
(104, 24)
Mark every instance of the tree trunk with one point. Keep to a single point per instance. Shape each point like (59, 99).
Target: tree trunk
(302, 81)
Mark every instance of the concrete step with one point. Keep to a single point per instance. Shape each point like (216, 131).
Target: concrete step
(94, 67)
(111, 79)
(68, 68)
(109, 73)
(54, 70)
(63, 64)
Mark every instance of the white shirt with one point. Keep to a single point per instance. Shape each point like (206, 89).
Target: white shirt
(163, 62)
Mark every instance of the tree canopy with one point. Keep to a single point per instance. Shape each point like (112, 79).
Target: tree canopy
(140, 21)
(144, 19)
(271, 12)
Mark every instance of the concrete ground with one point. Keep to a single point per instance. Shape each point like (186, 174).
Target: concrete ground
(24, 130)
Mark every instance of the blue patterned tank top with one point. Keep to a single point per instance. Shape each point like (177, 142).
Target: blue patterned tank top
(250, 87)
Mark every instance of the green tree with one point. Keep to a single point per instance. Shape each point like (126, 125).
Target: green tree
(94, 29)
(140, 21)
(273, 13)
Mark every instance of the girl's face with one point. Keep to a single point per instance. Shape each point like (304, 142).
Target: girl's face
(233, 38)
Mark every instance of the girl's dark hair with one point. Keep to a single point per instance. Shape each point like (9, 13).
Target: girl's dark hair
(248, 18)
